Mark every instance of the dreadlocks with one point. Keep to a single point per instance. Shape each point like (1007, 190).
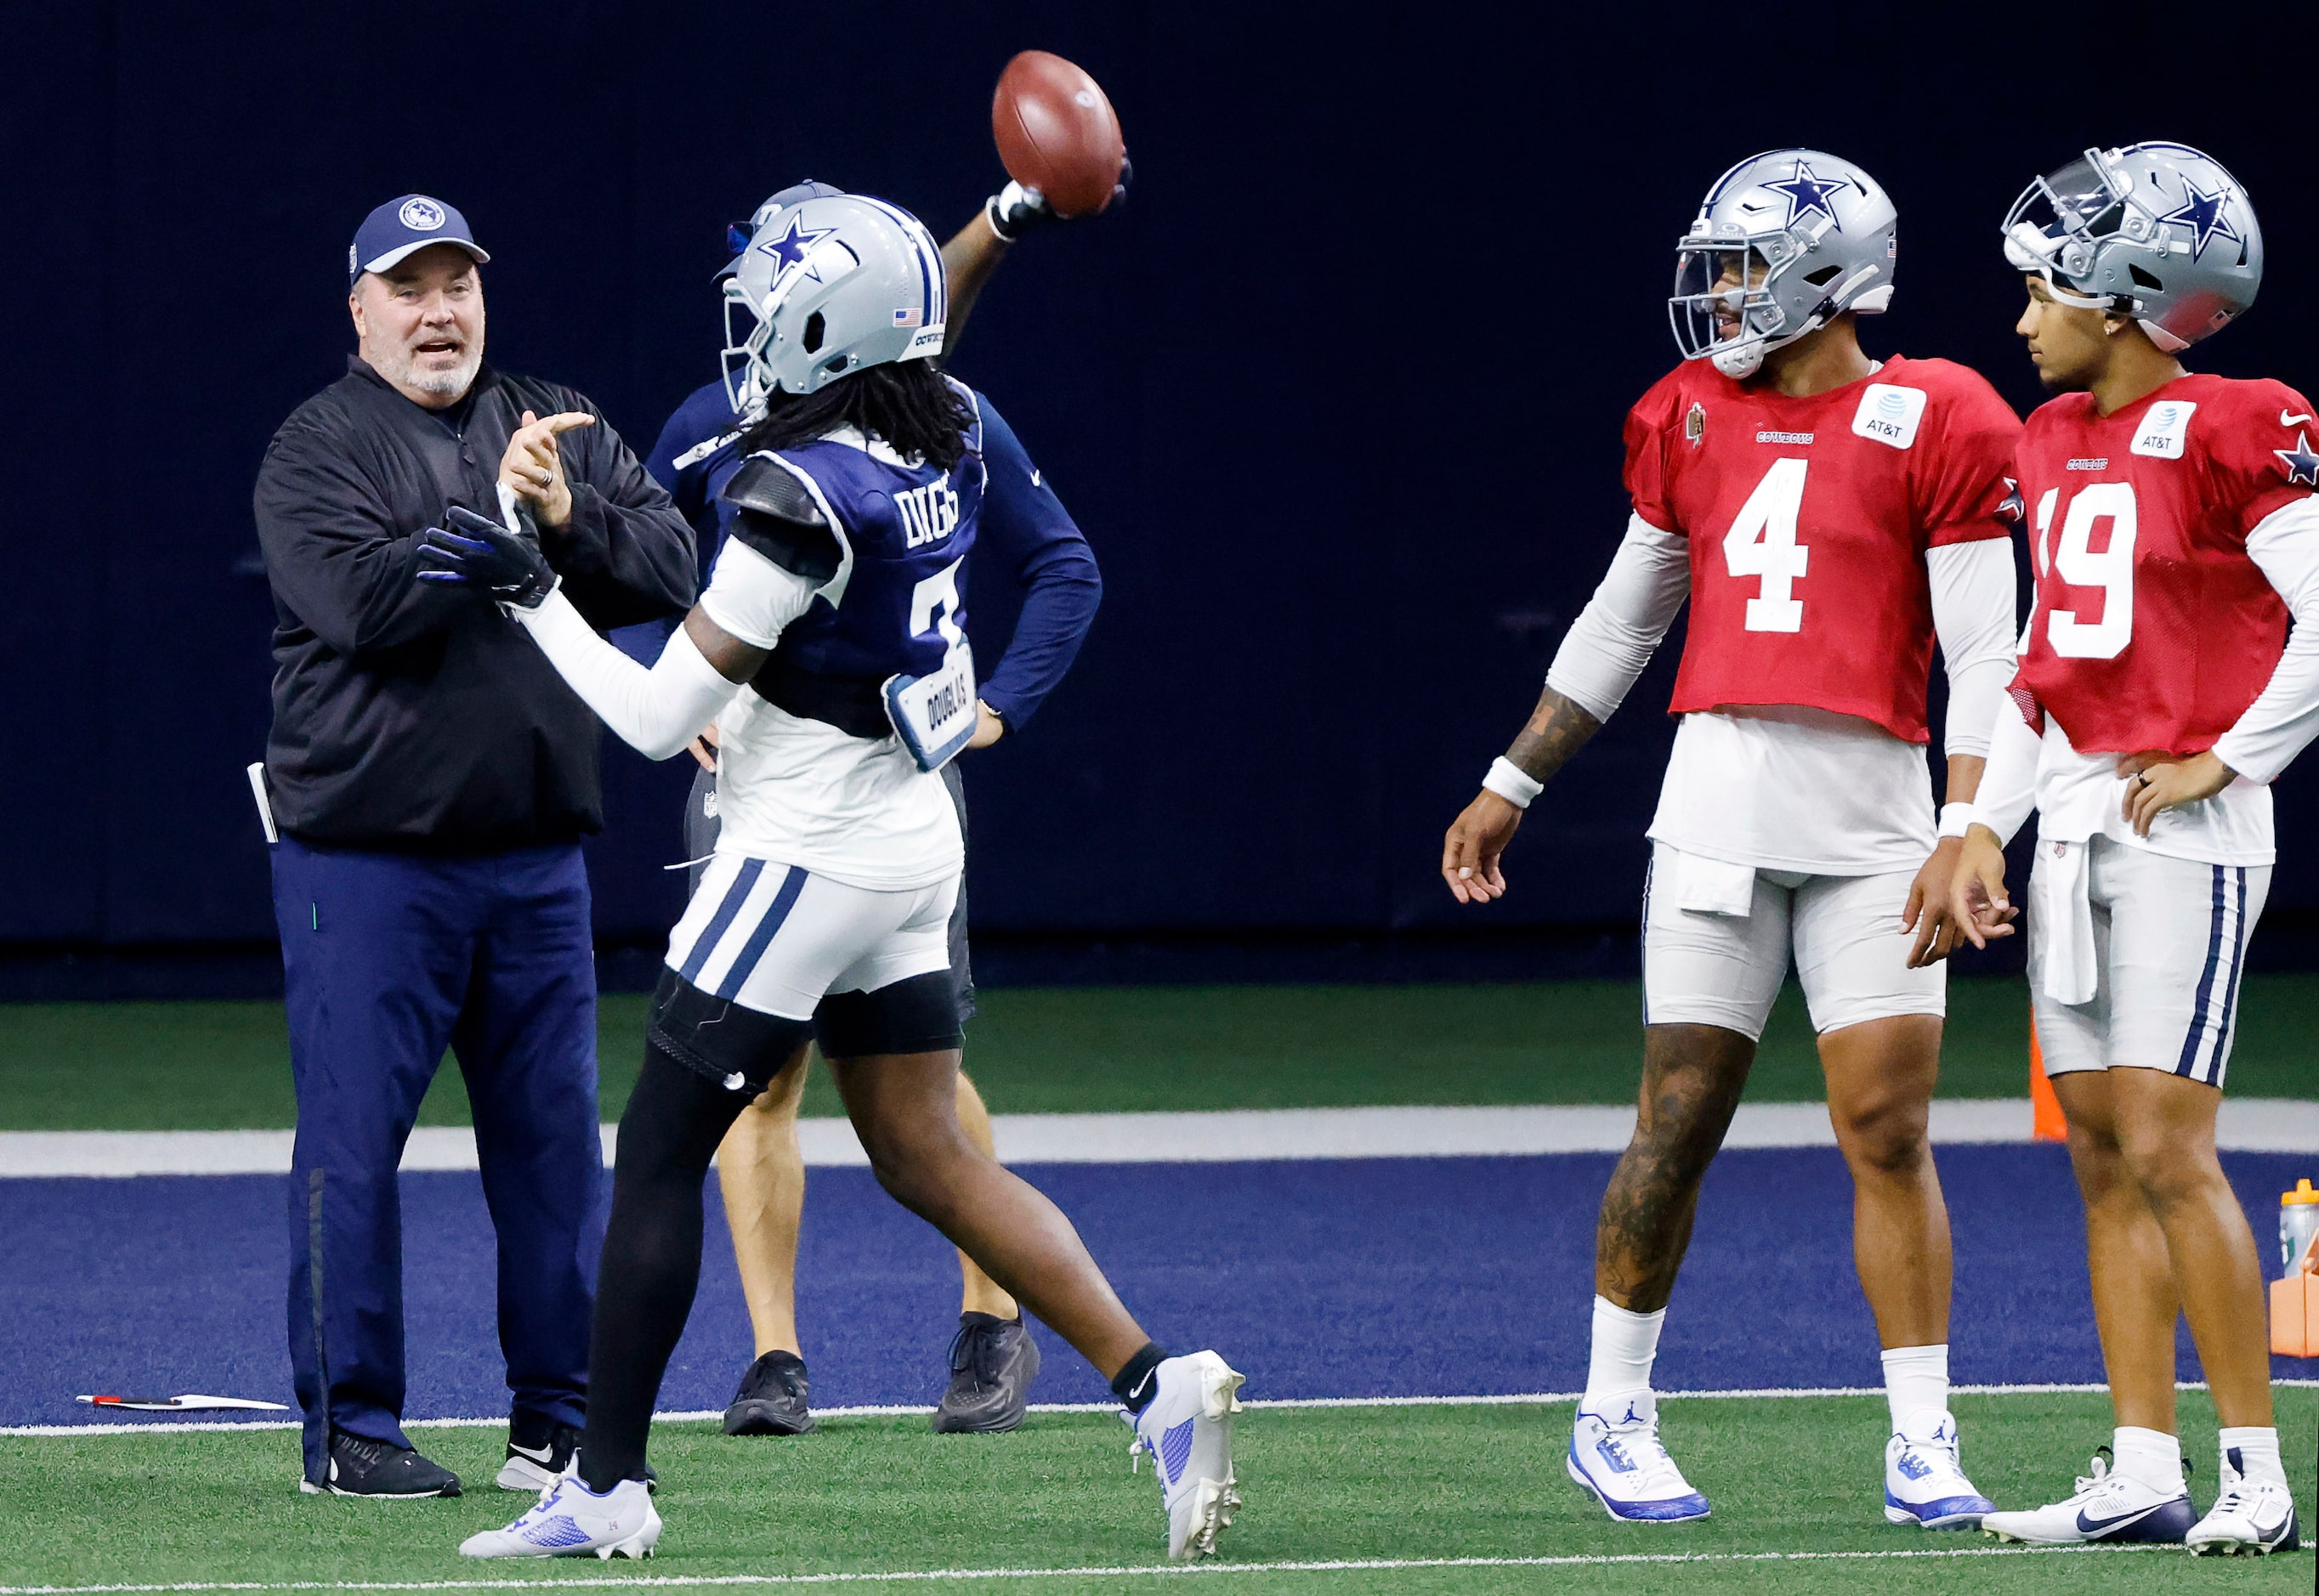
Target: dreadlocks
(906, 402)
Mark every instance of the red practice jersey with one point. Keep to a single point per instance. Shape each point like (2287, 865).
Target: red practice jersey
(1808, 519)
(2153, 631)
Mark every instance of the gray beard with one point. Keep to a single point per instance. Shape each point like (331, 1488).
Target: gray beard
(442, 384)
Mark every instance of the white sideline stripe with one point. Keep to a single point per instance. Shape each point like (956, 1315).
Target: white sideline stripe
(2249, 1124)
(1156, 1571)
(908, 1410)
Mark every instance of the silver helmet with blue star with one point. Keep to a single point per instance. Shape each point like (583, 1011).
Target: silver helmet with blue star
(1785, 242)
(827, 286)
(2156, 231)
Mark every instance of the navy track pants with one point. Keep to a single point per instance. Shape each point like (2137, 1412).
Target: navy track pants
(388, 960)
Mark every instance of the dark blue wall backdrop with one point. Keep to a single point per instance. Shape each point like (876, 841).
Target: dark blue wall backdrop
(1337, 397)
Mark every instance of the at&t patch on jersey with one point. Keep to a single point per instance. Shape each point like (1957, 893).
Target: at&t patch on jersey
(2163, 430)
(1889, 414)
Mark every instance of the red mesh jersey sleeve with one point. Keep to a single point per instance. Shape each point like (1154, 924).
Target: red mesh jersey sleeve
(1653, 433)
(1964, 485)
(2262, 450)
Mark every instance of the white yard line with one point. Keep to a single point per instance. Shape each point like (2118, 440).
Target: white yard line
(1219, 1569)
(1517, 1400)
(2251, 1124)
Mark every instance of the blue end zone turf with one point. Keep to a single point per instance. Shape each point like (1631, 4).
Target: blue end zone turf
(1419, 1276)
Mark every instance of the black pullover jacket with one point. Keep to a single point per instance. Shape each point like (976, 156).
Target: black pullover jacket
(413, 715)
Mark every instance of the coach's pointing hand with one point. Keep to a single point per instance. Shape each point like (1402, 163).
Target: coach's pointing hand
(534, 468)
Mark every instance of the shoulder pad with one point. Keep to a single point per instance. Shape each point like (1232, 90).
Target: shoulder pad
(775, 514)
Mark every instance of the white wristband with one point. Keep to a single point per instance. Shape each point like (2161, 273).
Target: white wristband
(1508, 781)
(1957, 819)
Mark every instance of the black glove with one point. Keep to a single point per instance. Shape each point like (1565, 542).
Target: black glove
(482, 554)
(1013, 209)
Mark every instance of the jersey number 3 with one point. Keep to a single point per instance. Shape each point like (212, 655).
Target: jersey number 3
(1762, 543)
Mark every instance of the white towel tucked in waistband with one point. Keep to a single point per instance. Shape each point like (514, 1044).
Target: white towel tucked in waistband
(1710, 886)
(2062, 914)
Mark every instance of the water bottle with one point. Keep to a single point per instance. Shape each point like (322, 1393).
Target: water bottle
(2299, 1217)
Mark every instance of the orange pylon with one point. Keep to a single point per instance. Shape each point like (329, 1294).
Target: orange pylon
(2047, 1123)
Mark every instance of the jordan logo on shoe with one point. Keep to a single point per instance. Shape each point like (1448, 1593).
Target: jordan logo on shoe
(1634, 1414)
(1176, 1450)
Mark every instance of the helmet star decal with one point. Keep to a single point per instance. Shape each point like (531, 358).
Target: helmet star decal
(2300, 464)
(789, 248)
(2202, 213)
(1808, 192)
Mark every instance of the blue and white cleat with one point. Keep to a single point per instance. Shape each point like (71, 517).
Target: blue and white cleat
(1924, 1482)
(1186, 1427)
(2107, 1506)
(1621, 1464)
(2250, 1516)
(570, 1520)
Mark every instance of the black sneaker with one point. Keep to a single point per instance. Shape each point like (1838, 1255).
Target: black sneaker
(537, 1450)
(992, 1362)
(771, 1400)
(360, 1467)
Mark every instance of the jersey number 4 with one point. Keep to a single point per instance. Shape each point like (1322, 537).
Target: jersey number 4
(1762, 543)
(2111, 570)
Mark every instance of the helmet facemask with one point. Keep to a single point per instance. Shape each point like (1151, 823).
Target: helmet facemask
(1723, 306)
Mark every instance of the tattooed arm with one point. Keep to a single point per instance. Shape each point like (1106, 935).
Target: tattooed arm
(1605, 650)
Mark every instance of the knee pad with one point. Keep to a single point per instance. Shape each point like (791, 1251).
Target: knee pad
(919, 1015)
(739, 1049)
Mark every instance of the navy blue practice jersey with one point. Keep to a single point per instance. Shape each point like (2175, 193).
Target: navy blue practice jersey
(1025, 538)
(897, 603)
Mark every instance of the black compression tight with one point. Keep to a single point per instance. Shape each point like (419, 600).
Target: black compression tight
(673, 1122)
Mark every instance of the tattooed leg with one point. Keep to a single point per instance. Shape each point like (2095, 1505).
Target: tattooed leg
(1692, 1076)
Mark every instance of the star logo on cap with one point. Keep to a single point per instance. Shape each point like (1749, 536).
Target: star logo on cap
(1808, 192)
(2300, 463)
(2202, 213)
(789, 248)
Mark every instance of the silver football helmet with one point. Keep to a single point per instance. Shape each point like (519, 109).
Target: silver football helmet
(1785, 243)
(827, 287)
(2157, 231)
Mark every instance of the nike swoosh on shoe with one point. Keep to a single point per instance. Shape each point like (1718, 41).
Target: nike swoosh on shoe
(2103, 1526)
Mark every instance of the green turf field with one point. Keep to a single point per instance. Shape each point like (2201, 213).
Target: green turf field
(865, 1496)
(225, 1066)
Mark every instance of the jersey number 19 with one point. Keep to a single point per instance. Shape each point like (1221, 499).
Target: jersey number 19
(1762, 543)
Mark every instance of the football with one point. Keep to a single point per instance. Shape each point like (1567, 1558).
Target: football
(1057, 132)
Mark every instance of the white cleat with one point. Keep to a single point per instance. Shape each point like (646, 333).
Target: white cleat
(1186, 1427)
(1618, 1460)
(1924, 1482)
(570, 1520)
(2250, 1515)
(2107, 1506)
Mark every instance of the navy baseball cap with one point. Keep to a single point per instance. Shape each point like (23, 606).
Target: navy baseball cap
(402, 227)
(737, 234)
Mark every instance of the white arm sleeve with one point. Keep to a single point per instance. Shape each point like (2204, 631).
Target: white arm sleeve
(1972, 616)
(2008, 785)
(1614, 637)
(657, 712)
(750, 598)
(2277, 725)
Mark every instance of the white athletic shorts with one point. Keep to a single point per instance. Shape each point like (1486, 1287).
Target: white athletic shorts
(778, 939)
(2168, 944)
(1725, 969)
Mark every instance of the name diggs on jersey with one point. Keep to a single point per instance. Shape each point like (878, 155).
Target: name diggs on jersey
(929, 514)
